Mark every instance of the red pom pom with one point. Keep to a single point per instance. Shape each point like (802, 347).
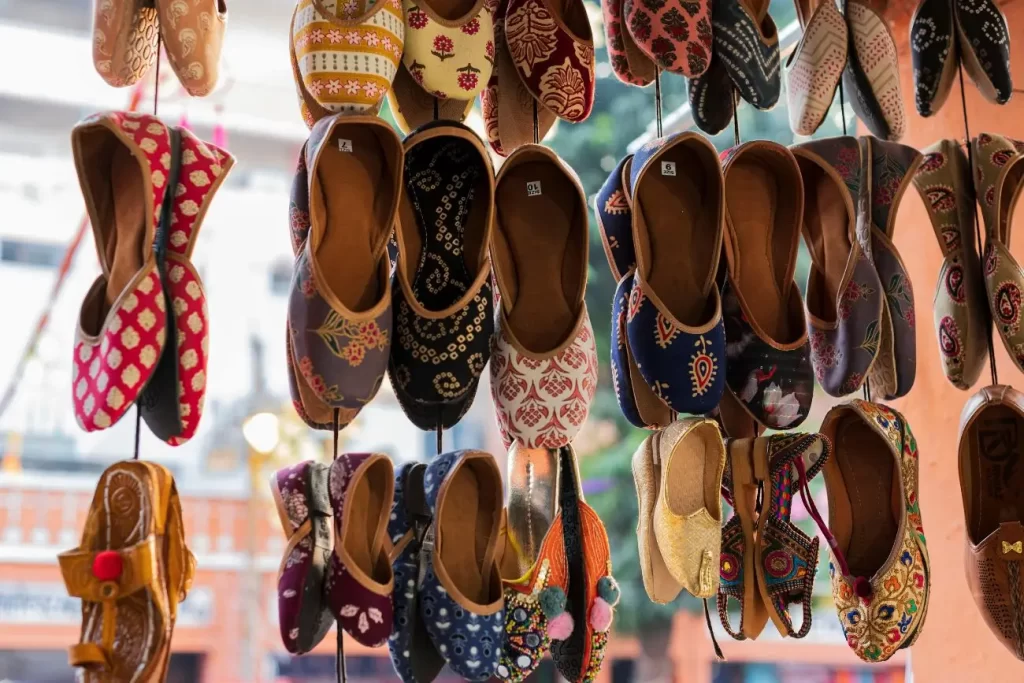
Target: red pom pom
(107, 566)
(862, 587)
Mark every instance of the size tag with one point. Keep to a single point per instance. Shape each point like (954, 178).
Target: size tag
(346, 146)
(533, 188)
(668, 168)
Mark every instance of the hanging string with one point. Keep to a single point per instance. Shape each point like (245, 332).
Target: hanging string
(735, 118)
(977, 222)
(657, 102)
(842, 106)
(440, 431)
(340, 671)
(156, 80)
(138, 430)
(536, 141)
(437, 109)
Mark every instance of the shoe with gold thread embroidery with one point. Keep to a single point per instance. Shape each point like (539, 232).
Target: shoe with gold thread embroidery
(881, 576)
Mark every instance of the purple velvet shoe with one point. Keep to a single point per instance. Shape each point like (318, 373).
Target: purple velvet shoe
(359, 577)
(300, 492)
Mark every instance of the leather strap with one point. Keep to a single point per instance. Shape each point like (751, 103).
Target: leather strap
(138, 571)
(88, 655)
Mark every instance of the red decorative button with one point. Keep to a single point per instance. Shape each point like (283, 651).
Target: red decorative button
(107, 565)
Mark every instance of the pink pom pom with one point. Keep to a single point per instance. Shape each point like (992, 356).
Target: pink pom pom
(220, 136)
(183, 122)
(560, 627)
(600, 615)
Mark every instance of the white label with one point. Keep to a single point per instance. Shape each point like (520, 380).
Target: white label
(533, 188)
(668, 168)
(346, 146)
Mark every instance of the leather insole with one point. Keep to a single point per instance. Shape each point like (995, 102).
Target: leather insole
(542, 235)
(466, 524)
(868, 472)
(681, 216)
(124, 244)
(365, 532)
(345, 181)
(826, 226)
(997, 477)
(452, 9)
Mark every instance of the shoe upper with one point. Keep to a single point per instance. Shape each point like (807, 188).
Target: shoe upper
(449, 57)
(615, 219)
(193, 32)
(814, 68)
(677, 38)
(984, 44)
(124, 44)
(933, 53)
(629, 64)
(711, 97)
(872, 73)
(747, 41)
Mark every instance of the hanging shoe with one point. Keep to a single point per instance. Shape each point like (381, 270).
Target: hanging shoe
(339, 312)
(413, 107)
(879, 561)
(676, 36)
(359, 580)
(844, 295)
(544, 361)
(984, 42)
(998, 177)
(615, 219)
(131, 570)
(674, 322)
(124, 40)
(892, 168)
(747, 42)
(460, 594)
(933, 53)
(629, 64)
(449, 46)
(960, 308)
(444, 315)
(872, 74)
(304, 510)
(992, 486)
(768, 361)
(193, 31)
(659, 584)
(712, 98)
(814, 68)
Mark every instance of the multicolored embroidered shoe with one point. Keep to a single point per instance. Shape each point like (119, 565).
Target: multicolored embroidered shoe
(998, 177)
(891, 170)
(880, 571)
(615, 219)
(814, 68)
(746, 40)
(592, 590)
(675, 35)
(768, 362)
(304, 510)
(629, 64)
(130, 570)
(712, 98)
(460, 593)
(192, 36)
(984, 47)
(960, 308)
(359, 580)
(449, 47)
(674, 323)
(844, 295)
(872, 73)
(552, 47)
(124, 40)
(933, 53)
(444, 315)
(346, 53)
(992, 486)
(544, 362)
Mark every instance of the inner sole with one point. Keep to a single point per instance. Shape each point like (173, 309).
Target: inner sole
(997, 478)
(363, 540)
(466, 528)
(826, 222)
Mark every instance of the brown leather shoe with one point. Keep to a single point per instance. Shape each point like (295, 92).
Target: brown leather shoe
(992, 484)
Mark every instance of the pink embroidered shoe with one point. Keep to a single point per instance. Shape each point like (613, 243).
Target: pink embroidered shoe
(676, 34)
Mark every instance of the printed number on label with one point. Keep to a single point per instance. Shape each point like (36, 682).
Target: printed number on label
(668, 168)
(533, 188)
(344, 145)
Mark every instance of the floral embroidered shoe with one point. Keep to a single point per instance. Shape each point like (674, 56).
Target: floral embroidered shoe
(872, 73)
(339, 312)
(592, 590)
(460, 594)
(998, 177)
(961, 312)
(892, 168)
(933, 53)
(880, 569)
(130, 570)
(544, 362)
(768, 362)
(814, 68)
(123, 322)
(444, 315)
(844, 295)
(346, 54)
(124, 38)
(712, 98)
(449, 46)
(304, 509)
(615, 219)
(359, 580)
(629, 64)
(674, 322)
(984, 47)
(990, 481)
(675, 35)
(192, 36)
(413, 107)
(747, 42)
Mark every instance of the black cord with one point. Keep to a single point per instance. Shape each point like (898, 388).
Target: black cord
(437, 109)
(735, 118)
(339, 656)
(657, 103)
(156, 80)
(536, 141)
(138, 429)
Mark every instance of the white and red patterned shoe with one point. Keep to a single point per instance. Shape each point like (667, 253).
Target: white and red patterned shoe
(544, 363)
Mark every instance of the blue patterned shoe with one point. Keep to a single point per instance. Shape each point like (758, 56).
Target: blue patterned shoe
(460, 594)
(674, 319)
(615, 219)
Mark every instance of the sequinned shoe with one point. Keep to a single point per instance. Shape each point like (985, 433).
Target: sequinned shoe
(960, 308)
(124, 40)
(444, 308)
(544, 362)
(984, 47)
(872, 73)
(193, 32)
(304, 510)
(814, 68)
(674, 321)
(933, 53)
(747, 42)
(676, 35)
(881, 575)
(844, 295)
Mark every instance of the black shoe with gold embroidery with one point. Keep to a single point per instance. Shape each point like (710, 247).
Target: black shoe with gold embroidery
(443, 302)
